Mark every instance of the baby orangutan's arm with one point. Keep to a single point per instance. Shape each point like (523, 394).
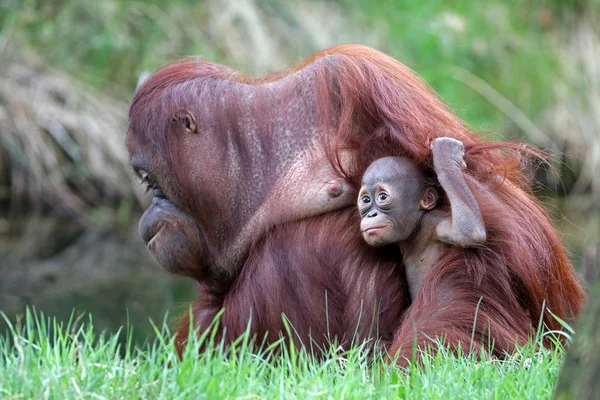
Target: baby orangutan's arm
(465, 226)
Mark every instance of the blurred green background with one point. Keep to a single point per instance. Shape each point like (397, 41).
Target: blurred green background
(69, 206)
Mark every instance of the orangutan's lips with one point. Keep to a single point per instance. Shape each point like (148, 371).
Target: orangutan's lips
(375, 229)
(154, 234)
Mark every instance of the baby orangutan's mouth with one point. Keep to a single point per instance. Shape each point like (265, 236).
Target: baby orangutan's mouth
(376, 229)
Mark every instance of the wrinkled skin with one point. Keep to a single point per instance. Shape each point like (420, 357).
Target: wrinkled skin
(171, 233)
(211, 181)
(390, 200)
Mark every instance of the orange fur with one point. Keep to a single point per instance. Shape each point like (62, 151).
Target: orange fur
(361, 102)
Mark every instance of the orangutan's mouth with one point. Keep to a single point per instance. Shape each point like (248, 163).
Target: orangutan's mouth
(153, 234)
(376, 229)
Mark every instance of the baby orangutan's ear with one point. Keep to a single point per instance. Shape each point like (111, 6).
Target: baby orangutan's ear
(429, 199)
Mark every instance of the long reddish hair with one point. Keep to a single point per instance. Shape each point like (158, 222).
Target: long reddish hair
(369, 105)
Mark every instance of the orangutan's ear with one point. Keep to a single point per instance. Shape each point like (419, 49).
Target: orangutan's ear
(429, 199)
(186, 120)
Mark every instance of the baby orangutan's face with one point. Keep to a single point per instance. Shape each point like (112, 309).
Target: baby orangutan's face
(390, 201)
(376, 226)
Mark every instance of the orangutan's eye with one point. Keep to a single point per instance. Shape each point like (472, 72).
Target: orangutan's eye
(151, 186)
(146, 180)
(383, 196)
(143, 174)
(365, 199)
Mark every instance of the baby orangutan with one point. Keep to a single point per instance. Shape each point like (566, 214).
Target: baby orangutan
(398, 203)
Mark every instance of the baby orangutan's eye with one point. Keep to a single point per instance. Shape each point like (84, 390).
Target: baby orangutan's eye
(365, 199)
(383, 196)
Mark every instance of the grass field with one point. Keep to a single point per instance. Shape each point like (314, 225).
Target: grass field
(43, 359)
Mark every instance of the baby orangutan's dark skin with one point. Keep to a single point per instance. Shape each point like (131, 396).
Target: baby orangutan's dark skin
(398, 203)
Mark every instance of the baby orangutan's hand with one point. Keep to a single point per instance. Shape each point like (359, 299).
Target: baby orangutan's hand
(447, 153)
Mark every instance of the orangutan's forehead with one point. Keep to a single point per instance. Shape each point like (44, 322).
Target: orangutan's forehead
(391, 170)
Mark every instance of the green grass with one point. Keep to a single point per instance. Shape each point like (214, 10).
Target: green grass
(42, 359)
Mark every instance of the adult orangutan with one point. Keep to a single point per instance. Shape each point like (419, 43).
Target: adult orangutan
(255, 181)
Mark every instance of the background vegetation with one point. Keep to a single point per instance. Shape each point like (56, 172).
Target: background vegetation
(517, 70)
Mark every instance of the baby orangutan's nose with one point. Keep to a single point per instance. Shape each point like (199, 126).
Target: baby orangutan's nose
(372, 214)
